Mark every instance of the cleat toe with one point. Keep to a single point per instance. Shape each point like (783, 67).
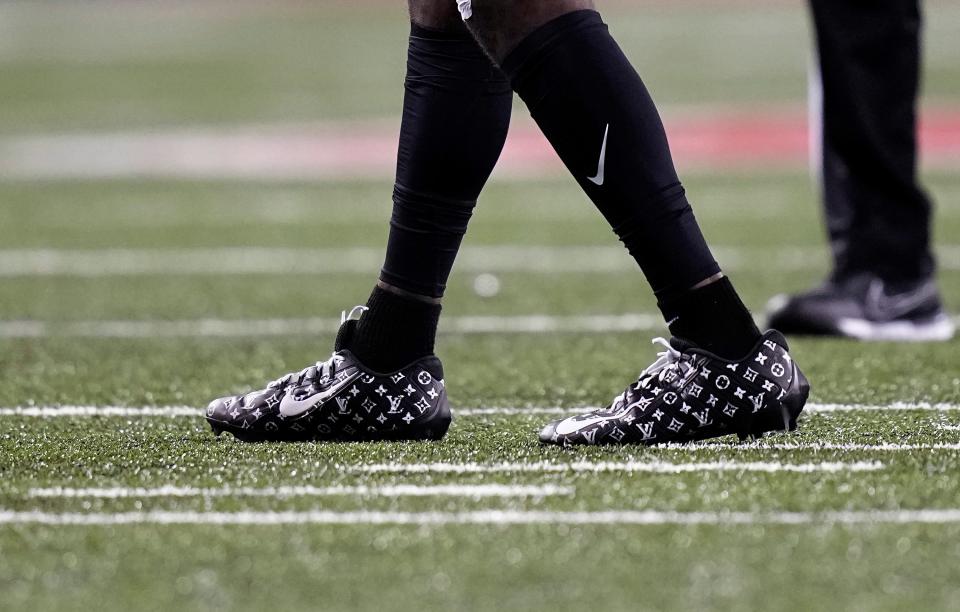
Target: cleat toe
(548, 435)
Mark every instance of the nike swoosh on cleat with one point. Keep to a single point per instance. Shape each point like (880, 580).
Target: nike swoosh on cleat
(571, 425)
(598, 179)
(881, 306)
(290, 407)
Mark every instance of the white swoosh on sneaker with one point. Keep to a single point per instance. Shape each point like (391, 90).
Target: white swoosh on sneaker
(598, 179)
(568, 426)
(886, 307)
(290, 407)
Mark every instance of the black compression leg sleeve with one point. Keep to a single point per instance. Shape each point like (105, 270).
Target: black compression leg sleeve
(456, 111)
(713, 317)
(395, 331)
(597, 114)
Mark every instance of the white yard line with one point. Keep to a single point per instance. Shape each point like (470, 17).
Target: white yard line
(852, 447)
(48, 412)
(246, 328)
(352, 260)
(454, 490)
(950, 427)
(808, 409)
(471, 259)
(196, 412)
(216, 328)
(269, 260)
(484, 517)
(814, 446)
(650, 467)
(928, 406)
(192, 412)
(251, 328)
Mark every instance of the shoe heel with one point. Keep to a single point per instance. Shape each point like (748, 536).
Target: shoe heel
(437, 425)
(784, 419)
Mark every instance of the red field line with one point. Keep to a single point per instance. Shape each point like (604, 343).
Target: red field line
(743, 140)
(704, 140)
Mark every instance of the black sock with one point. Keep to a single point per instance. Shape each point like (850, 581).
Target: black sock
(394, 331)
(584, 94)
(456, 111)
(713, 317)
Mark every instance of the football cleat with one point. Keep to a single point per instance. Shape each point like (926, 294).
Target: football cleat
(340, 400)
(864, 307)
(689, 394)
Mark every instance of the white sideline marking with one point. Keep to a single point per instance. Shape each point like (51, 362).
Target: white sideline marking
(652, 467)
(472, 491)
(278, 260)
(809, 408)
(471, 259)
(47, 412)
(484, 517)
(929, 406)
(195, 411)
(815, 446)
(249, 328)
(243, 328)
(950, 427)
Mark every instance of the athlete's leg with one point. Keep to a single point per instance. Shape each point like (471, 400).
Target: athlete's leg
(878, 217)
(383, 381)
(456, 111)
(597, 114)
(594, 109)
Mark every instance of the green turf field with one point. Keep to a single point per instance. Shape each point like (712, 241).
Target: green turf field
(142, 300)
(90, 67)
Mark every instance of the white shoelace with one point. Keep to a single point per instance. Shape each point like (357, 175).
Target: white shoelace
(324, 368)
(668, 360)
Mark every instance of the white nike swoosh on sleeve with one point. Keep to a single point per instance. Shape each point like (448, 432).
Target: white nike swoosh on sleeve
(598, 179)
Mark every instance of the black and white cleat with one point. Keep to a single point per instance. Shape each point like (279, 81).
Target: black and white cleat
(689, 394)
(340, 400)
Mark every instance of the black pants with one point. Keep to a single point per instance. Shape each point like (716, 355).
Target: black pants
(878, 216)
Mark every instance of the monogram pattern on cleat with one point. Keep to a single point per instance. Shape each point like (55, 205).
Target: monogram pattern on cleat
(339, 399)
(689, 394)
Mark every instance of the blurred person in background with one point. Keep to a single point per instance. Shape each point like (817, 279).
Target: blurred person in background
(878, 217)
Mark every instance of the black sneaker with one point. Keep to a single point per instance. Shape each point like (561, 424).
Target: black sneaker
(340, 400)
(864, 307)
(688, 394)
